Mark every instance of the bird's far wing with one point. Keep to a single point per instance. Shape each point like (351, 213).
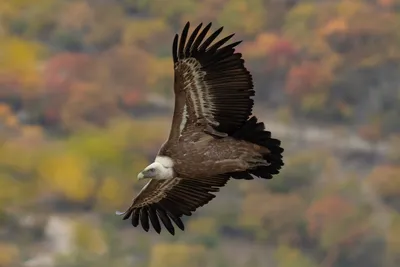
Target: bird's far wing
(168, 200)
(212, 86)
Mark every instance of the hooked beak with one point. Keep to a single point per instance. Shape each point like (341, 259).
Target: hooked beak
(140, 176)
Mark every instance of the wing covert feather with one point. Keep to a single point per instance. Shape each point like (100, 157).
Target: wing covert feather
(166, 201)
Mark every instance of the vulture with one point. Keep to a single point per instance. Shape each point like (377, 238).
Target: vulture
(213, 137)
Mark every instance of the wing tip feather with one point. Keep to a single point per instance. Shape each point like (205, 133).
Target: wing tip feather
(175, 48)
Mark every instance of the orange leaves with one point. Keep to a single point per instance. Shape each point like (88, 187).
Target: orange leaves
(321, 53)
(385, 179)
(308, 84)
(260, 46)
(282, 47)
(306, 78)
(335, 220)
(73, 80)
(63, 68)
(280, 52)
(302, 78)
(7, 118)
(326, 211)
(386, 3)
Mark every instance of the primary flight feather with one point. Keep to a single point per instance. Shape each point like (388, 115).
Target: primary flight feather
(213, 135)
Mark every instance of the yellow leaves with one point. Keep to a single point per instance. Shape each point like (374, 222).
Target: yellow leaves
(17, 155)
(89, 238)
(348, 8)
(9, 254)
(203, 226)
(150, 131)
(177, 255)
(333, 26)
(252, 215)
(251, 14)
(17, 162)
(315, 101)
(68, 174)
(289, 257)
(372, 60)
(26, 3)
(298, 22)
(170, 9)
(162, 75)
(99, 147)
(306, 157)
(302, 12)
(110, 194)
(14, 8)
(20, 58)
(141, 30)
(10, 190)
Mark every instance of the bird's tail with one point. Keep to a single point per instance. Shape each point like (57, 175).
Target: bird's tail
(254, 132)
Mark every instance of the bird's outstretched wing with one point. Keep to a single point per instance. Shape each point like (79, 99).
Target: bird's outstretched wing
(166, 201)
(212, 87)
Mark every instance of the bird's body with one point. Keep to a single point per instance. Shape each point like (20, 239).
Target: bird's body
(227, 154)
(213, 136)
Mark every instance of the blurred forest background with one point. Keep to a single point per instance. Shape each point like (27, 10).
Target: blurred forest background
(86, 101)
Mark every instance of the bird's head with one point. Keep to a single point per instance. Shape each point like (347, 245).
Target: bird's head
(160, 169)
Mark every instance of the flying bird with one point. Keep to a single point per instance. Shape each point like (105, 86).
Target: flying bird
(213, 137)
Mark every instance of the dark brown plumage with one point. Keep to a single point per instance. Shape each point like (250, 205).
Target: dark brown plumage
(212, 137)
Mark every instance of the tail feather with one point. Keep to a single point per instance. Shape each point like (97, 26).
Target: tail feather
(254, 132)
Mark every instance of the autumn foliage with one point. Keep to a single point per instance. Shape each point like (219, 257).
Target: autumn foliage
(85, 103)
